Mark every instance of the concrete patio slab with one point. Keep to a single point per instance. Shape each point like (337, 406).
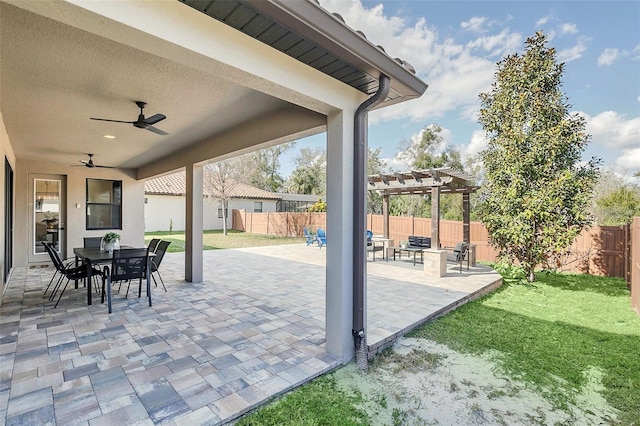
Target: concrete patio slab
(204, 353)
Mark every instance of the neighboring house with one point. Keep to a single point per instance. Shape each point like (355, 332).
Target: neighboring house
(164, 203)
(296, 202)
(231, 78)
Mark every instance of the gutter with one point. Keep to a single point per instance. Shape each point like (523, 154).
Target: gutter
(359, 219)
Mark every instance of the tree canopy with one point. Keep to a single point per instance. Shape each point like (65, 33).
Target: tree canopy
(537, 191)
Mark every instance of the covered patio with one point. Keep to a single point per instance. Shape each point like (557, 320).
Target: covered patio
(217, 79)
(205, 352)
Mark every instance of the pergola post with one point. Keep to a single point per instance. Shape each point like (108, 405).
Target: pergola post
(466, 221)
(435, 217)
(385, 216)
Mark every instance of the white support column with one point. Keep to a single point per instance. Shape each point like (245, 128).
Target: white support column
(193, 224)
(339, 285)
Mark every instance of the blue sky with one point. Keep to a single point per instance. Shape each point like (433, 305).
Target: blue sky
(454, 46)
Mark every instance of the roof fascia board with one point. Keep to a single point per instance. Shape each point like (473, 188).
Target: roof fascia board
(319, 26)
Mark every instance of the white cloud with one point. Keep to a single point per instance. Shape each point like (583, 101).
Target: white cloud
(568, 28)
(474, 24)
(613, 130)
(629, 160)
(456, 72)
(542, 21)
(478, 143)
(498, 45)
(608, 56)
(572, 53)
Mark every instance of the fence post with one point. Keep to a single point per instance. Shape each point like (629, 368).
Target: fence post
(627, 255)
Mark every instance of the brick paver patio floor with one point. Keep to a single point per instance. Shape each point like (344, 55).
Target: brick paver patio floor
(204, 353)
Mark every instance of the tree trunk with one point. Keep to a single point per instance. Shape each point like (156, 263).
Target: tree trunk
(531, 276)
(224, 218)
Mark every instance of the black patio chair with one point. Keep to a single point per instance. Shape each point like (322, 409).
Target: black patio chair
(157, 260)
(153, 244)
(67, 270)
(459, 255)
(92, 242)
(126, 265)
(57, 269)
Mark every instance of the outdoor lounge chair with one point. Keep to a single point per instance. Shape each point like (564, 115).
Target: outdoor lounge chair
(311, 238)
(374, 246)
(459, 254)
(321, 237)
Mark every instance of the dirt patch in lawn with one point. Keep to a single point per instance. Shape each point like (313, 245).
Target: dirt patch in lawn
(421, 382)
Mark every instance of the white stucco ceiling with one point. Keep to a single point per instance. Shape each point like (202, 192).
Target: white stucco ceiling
(53, 77)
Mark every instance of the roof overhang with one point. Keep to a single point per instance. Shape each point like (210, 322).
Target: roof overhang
(66, 61)
(307, 32)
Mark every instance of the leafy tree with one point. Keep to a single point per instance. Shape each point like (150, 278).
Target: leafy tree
(537, 191)
(262, 167)
(620, 206)
(222, 178)
(310, 174)
(430, 151)
(318, 207)
(375, 165)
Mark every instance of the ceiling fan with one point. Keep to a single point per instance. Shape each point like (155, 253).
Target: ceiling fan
(141, 122)
(89, 163)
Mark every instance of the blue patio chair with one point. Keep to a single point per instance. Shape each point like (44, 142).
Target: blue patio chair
(321, 237)
(311, 238)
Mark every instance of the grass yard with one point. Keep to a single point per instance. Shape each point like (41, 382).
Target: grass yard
(566, 336)
(576, 328)
(213, 240)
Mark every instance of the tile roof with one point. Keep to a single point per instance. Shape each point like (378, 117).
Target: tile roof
(175, 184)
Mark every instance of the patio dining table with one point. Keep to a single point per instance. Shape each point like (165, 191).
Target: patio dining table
(95, 256)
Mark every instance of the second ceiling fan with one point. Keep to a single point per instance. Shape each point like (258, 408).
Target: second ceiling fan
(141, 122)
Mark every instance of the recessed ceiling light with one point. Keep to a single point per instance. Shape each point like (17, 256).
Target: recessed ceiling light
(109, 136)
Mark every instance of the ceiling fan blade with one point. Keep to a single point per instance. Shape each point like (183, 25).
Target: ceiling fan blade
(105, 167)
(154, 119)
(156, 130)
(113, 121)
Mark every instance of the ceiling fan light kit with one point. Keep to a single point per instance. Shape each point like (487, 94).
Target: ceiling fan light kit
(141, 122)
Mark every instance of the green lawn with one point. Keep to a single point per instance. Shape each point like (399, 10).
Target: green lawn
(560, 334)
(213, 240)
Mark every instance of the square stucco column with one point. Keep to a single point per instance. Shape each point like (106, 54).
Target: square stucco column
(339, 284)
(193, 225)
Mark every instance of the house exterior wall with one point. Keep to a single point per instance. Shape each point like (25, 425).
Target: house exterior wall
(162, 210)
(7, 152)
(75, 204)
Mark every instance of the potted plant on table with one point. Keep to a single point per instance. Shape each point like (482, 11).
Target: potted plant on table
(111, 241)
(404, 244)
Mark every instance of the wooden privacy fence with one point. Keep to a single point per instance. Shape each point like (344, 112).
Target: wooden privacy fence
(634, 273)
(601, 250)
